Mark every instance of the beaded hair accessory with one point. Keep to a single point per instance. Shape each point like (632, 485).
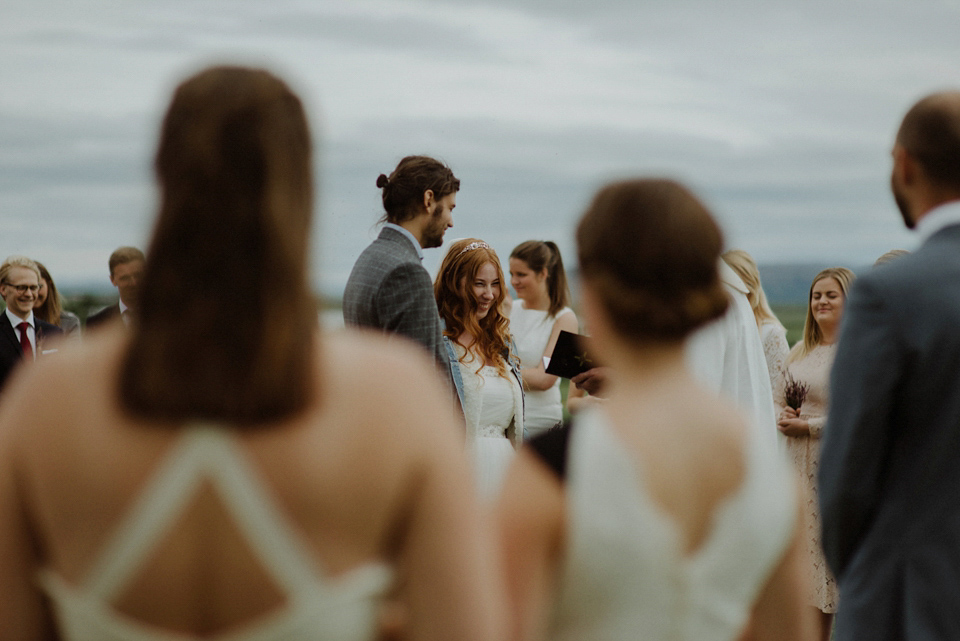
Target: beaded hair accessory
(474, 245)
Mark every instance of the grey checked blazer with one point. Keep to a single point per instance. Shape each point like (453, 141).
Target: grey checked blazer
(889, 478)
(390, 290)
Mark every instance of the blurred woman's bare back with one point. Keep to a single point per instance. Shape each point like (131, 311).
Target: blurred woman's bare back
(361, 483)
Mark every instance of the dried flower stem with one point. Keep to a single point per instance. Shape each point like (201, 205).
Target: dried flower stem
(795, 392)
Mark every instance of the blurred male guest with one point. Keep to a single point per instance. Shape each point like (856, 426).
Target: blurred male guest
(22, 333)
(126, 272)
(890, 459)
(389, 289)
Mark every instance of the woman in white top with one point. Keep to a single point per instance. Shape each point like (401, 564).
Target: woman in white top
(469, 290)
(659, 514)
(222, 469)
(536, 319)
(772, 332)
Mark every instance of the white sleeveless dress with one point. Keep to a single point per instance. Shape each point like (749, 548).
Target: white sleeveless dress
(344, 608)
(531, 329)
(624, 575)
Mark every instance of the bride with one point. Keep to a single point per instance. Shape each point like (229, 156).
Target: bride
(483, 361)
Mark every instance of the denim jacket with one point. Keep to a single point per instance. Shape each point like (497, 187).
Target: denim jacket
(513, 361)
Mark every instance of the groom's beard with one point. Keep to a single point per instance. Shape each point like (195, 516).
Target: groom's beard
(902, 205)
(435, 229)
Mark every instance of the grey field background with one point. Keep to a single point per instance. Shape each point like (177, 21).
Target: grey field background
(780, 114)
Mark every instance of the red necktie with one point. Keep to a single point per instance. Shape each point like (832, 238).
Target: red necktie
(25, 340)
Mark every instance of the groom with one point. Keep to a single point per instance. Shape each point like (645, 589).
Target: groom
(389, 289)
(889, 480)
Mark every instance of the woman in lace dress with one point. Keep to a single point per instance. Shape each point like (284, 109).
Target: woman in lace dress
(536, 319)
(659, 514)
(470, 290)
(809, 363)
(772, 332)
(222, 469)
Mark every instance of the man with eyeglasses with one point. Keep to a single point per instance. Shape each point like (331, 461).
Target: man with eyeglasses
(22, 334)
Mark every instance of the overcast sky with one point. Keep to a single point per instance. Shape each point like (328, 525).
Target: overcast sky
(779, 114)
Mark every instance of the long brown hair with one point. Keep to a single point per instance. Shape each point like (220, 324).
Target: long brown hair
(53, 306)
(542, 255)
(457, 303)
(226, 325)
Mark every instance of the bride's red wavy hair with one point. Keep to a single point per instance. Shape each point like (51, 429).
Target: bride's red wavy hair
(458, 304)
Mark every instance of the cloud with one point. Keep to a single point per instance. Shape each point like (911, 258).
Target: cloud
(780, 114)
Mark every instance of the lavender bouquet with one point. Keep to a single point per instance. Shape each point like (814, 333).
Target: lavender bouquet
(795, 392)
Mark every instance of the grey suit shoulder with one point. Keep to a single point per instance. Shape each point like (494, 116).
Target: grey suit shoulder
(890, 461)
(389, 289)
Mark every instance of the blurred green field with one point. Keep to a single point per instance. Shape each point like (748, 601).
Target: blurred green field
(792, 317)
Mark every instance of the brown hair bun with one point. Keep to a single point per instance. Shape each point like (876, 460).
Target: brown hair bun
(649, 250)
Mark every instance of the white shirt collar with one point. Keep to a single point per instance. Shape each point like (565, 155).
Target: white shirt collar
(937, 218)
(16, 320)
(123, 307)
(410, 237)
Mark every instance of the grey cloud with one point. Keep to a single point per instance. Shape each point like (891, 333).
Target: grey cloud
(780, 114)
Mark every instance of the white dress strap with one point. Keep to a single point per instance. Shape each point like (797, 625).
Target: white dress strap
(204, 452)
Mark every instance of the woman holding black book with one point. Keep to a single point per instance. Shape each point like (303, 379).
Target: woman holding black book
(536, 319)
(802, 402)
(660, 513)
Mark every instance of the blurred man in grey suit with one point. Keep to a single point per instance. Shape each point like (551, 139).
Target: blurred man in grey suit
(389, 288)
(890, 464)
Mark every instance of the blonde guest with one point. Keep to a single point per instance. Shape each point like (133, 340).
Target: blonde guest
(772, 332)
(808, 366)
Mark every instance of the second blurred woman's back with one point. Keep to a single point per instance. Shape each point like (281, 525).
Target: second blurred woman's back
(659, 514)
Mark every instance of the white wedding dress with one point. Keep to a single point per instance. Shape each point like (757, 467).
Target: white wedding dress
(623, 574)
(492, 405)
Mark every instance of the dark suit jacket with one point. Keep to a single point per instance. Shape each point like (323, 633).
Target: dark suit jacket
(102, 316)
(390, 290)
(889, 479)
(10, 351)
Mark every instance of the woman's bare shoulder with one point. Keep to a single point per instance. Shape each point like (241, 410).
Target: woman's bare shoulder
(61, 404)
(390, 384)
(74, 372)
(380, 363)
